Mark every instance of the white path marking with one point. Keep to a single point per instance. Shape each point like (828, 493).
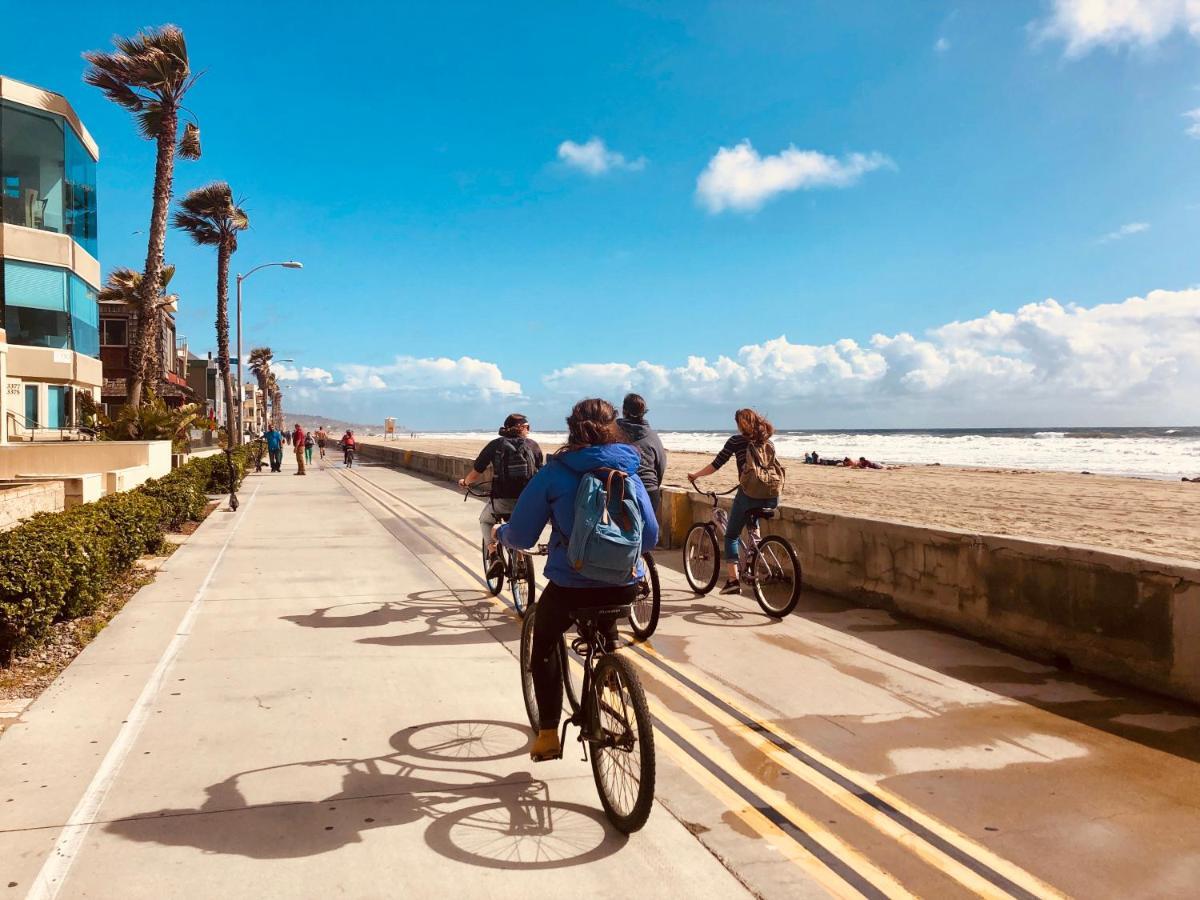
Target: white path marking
(58, 865)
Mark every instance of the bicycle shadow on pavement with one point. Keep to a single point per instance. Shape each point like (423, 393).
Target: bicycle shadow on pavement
(458, 617)
(470, 816)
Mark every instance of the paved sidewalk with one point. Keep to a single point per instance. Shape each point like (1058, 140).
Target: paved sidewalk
(245, 728)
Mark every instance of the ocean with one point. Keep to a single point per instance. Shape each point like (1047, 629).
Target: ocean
(1162, 453)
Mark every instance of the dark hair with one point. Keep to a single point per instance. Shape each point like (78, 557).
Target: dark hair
(756, 428)
(634, 406)
(592, 422)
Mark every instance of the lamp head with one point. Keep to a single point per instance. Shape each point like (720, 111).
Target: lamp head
(293, 264)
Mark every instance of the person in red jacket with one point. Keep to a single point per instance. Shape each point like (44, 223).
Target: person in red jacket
(298, 444)
(348, 447)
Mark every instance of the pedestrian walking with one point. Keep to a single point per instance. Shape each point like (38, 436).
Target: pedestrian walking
(308, 448)
(275, 449)
(322, 437)
(298, 444)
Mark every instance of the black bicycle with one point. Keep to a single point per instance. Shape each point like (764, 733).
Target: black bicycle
(516, 567)
(770, 563)
(610, 710)
(643, 612)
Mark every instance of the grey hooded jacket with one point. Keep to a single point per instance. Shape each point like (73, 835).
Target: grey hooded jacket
(653, 467)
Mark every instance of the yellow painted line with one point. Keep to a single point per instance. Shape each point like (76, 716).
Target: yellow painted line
(854, 804)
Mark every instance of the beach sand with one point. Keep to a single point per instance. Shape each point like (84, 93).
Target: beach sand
(1159, 518)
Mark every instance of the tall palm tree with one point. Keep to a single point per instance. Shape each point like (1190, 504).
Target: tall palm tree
(124, 286)
(149, 74)
(211, 218)
(276, 401)
(260, 367)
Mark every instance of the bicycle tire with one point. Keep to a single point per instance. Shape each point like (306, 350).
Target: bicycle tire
(494, 584)
(521, 583)
(644, 611)
(627, 812)
(701, 546)
(527, 691)
(769, 578)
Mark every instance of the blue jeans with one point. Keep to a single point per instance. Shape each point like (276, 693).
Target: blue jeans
(737, 520)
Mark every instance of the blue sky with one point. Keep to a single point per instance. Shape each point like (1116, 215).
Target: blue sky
(413, 158)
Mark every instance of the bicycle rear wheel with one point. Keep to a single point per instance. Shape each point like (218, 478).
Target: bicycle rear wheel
(527, 688)
(623, 759)
(520, 582)
(701, 558)
(775, 576)
(643, 612)
(494, 583)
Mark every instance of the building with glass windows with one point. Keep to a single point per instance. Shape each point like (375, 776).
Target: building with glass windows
(49, 271)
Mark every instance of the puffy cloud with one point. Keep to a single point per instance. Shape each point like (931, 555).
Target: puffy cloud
(1047, 358)
(1125, 231)
(284, 372)
(464, 378)
(1193, 130)
(738, 178)
(594, 158)
(1085, 24)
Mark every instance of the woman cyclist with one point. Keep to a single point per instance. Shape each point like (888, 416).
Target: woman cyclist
(594, 441)
(752, 429)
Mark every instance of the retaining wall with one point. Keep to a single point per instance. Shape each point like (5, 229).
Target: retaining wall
(1125, 616)
(19, 501)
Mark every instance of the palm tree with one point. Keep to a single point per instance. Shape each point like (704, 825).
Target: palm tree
(276, 401)
(149, 75)
(211, 218)
(125, 286)
(260, 366)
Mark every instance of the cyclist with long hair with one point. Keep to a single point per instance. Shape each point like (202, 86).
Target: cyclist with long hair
(595, 441)
(753, 437)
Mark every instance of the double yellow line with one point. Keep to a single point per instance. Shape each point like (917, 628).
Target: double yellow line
(840, 868)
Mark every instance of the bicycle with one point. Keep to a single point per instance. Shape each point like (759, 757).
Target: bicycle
(644, 611)
(770, 563)
(516, 566)
(613, 716)
(348, 456)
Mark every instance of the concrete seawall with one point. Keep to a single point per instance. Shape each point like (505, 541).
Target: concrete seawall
(1132, 618)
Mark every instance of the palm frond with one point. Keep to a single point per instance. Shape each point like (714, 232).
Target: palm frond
(210, 216)
(189, 144)
(151, 67)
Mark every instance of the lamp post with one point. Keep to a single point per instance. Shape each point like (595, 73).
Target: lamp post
(241, 399)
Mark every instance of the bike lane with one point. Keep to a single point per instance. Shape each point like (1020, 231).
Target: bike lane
(308, 705)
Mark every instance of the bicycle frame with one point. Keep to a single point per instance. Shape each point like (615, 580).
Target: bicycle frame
(748, 548)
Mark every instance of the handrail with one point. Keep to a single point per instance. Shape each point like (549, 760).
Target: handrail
(25, 422)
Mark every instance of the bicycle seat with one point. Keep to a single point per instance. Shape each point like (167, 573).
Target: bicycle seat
(594, 615)
(761, 512)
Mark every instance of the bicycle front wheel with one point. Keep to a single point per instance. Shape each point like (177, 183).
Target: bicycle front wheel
(623, 758)
(521, 583)
(643, 612)
(775, 576)
(495, 583)
(701, 558)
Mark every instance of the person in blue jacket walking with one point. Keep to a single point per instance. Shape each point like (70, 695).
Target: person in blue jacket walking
(594, 441)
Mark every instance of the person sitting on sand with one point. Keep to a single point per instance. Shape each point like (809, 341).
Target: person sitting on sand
(864, 463)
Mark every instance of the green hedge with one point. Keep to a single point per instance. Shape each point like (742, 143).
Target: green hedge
(57, 566)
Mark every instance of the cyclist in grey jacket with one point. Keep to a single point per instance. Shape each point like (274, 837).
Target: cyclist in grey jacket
(652, 470)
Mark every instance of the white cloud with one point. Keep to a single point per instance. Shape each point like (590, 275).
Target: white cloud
(1085, 24)
(1140, 357)
(942, 45)
(459, 379)
(1125, 231)
(738, 178)
(594, 158)
(284, 372)
(1193, 130)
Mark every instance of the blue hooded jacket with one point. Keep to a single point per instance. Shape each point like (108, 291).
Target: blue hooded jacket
(550, 497)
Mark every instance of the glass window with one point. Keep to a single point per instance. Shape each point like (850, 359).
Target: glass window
(85, 318)
(79, 203)
(35, 305)
(56, 406)
(114, 333)
(31, 406)
(32, 150)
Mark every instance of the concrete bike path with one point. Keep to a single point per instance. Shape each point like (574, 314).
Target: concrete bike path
(917, 760)
(300, 706)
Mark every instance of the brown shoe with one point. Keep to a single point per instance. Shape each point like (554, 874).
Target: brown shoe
(546, 746)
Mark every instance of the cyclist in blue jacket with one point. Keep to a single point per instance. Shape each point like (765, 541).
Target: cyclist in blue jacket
(595, 441)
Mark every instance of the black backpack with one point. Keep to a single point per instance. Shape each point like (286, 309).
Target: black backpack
(512, 468)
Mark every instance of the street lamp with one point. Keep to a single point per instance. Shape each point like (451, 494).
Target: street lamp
(241, 400)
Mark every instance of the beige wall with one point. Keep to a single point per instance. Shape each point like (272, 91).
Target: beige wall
(39, 98)
(20, 501)
(1132, 618)
(58, 366)
(50, 249)
(80, 457)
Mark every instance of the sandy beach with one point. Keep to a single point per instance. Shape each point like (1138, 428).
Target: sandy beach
(1159, 518)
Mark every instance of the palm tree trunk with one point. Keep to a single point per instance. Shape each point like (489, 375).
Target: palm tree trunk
(144, 360)
(223, 253)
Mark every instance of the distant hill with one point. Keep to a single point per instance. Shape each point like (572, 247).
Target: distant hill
(310, 421)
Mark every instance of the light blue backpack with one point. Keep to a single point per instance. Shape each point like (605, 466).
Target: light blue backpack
(606, 539)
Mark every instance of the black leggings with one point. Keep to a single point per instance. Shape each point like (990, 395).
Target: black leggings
(552, 618)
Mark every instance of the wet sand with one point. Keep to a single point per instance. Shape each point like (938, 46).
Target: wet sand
(1159, 518)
